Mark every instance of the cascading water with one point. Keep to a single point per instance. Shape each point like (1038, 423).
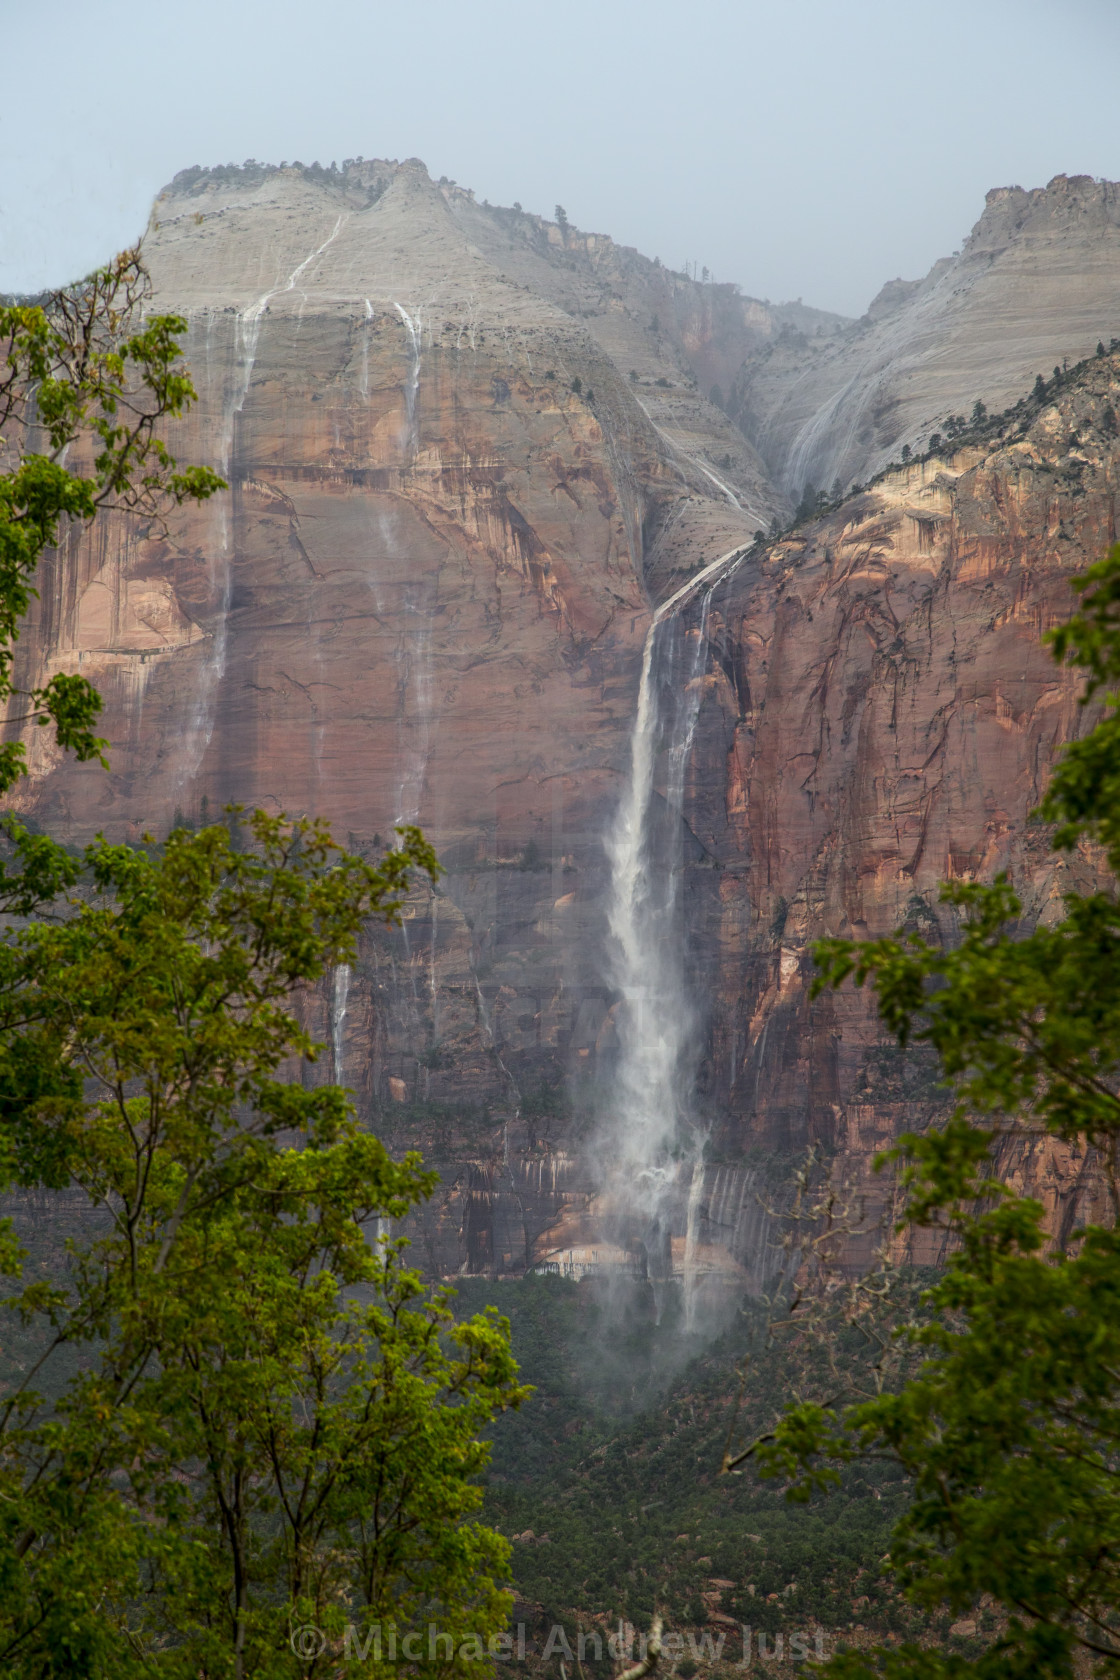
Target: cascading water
(724, 489)
(650, 1138)
(340, 993)
(414, 326)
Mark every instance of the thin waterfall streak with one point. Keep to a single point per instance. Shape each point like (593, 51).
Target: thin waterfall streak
(747, 1181)
(433, 983)
(691, 1234)
(415, 604)
(340, 993)
(247, 328)
(724, 489)
(290, 283)
(416, 740)
(415, 330)
(363, 381)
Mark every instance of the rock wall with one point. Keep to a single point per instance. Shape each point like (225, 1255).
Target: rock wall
(1037, 282)
(423, 599)
(467, 449)
(881, 717)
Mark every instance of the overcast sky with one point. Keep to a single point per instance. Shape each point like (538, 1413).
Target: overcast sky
(805, 148)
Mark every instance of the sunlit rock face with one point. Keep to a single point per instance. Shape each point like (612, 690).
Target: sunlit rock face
(1037, 281)
(469, 452)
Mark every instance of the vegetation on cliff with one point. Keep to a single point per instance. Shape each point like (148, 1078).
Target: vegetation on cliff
(80, 378)
(957, 432)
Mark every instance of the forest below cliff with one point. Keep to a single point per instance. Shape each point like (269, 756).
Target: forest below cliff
(609, 1483)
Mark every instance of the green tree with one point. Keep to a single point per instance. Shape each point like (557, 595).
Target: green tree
(808, 504)
(1009, 1429)
(82, 378)
(230, 1410)
(240, 1412)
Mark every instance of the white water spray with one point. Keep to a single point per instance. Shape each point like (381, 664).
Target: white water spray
(649, 1120)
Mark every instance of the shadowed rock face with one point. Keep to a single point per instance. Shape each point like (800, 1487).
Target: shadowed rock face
(466, 449)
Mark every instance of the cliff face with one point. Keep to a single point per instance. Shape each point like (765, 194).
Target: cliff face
(1037, 281)
(879, 717)
(423, 599)
(444, 498)
(466, 449)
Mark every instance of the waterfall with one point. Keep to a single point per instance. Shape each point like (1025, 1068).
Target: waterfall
(649, 1119)
(340, 992)
(363, 380)
(415, 330)
(413, 659)
(724, 488)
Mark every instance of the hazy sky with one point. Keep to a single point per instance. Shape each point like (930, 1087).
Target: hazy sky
(806, 148)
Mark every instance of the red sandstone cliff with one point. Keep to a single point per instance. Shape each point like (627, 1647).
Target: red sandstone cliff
(880, 717)
(462, 458)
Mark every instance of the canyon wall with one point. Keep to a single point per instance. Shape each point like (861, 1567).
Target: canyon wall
(1036, 282)
(468, 452)
(881, 717)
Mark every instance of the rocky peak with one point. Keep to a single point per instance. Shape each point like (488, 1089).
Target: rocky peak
(1036, 283)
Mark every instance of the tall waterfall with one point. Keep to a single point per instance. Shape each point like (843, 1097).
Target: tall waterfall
(651, 1143)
